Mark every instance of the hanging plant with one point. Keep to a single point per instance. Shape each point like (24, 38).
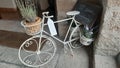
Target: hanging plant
(86, 36)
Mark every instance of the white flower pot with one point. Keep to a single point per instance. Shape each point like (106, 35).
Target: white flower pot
(85, 41)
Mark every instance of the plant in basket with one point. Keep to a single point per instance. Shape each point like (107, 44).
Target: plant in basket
(31, 22)
(86, 36)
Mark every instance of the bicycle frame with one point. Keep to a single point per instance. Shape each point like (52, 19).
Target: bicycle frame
(65, 41)
(43, 24)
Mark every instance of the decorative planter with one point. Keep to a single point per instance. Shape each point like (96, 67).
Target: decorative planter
(85, 41)
(32, 28)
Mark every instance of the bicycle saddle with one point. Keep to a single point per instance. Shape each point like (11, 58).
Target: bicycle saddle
(72, 13)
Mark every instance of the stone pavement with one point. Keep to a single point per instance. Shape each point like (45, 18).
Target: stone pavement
(105, 62)
(10, 25)
(9, 59)
(78, 60)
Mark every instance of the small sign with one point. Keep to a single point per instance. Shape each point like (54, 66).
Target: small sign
(51, 27)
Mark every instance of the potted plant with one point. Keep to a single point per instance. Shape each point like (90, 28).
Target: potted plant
(86, 36)
(31, 22)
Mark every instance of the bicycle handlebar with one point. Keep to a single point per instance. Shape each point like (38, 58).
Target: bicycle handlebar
(48, 16)
(45, 13)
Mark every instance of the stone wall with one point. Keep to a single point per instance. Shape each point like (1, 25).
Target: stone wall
(108, 42)
(63, 7)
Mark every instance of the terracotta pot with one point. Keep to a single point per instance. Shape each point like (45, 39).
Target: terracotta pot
(32, 28)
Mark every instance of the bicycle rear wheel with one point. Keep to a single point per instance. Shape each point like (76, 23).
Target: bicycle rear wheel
(30, 55)
(75, 34)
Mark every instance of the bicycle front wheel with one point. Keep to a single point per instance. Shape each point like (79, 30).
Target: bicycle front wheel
(31, 55)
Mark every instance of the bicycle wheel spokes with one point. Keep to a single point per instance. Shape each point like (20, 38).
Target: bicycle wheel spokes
(30, 59)
(30, 54)
(44, 57)
(47, 50)
(30, 46)
(47, 46)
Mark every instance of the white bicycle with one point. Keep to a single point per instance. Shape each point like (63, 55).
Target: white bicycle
(41, 48)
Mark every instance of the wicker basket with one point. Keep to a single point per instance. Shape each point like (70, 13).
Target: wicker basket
(32, 28)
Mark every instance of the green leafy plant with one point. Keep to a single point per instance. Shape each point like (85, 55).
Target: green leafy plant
(87, 32)
(27, 9)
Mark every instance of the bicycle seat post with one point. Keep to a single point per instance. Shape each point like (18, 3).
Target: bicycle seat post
(72, 14)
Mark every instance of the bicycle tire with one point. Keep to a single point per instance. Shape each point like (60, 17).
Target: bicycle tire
(75, 33)
(35, 57)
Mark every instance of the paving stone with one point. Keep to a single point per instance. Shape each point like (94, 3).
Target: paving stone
(78, 60)
(10, 25)
(10, 56)
(104, 62)
(6, 65)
